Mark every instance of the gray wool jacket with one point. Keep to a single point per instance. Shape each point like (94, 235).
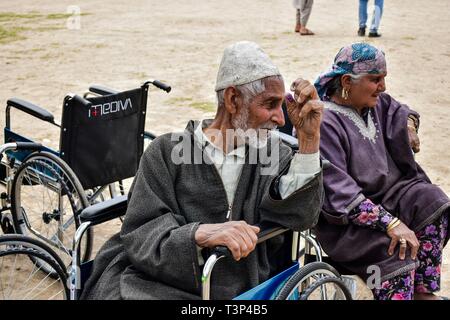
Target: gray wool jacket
(155, 256)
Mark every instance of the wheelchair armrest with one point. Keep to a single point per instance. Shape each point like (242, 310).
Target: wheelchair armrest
(149, 135)
(105, 211)
(102, 90)
(31, 109)
(267, 231)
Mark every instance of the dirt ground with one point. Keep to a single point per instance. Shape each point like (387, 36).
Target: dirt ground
(44, 55)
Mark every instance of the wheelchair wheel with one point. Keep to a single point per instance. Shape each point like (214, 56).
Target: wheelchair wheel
(46, 199)
(22, 276)
(308, 283)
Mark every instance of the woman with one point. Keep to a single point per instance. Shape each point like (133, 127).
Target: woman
(381, 212)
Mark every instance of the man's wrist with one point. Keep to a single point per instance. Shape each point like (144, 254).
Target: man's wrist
(308, 144)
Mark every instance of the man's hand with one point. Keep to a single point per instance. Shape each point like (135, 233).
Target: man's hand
(305, 113)
(238, 236)
(414, 141)
(404, 236)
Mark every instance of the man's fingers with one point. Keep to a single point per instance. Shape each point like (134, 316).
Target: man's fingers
(244, 241)
(246, 236)
(305, 92)
(235, 248)
(311, 107)
(296, 82)
(252, 236)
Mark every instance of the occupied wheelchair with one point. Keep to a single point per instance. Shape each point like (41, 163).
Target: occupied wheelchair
(101, 141)
(39, 273)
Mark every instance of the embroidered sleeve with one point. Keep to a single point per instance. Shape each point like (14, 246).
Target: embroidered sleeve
(368, 214)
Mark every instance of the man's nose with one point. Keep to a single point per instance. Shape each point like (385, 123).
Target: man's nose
(278, 117)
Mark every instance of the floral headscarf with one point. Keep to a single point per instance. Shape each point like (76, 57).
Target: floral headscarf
(358, 58)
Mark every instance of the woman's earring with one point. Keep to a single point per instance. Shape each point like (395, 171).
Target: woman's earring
(344, 94)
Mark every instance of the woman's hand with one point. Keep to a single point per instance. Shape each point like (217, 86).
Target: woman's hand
(414, 141)
(406, 237)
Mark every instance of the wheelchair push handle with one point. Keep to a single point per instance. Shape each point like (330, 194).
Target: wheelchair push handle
(15, 146)
(159, 85)
(28, 146)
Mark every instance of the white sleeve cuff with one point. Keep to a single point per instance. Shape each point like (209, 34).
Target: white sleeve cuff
(305, 163)
(302, 170)
(199, 255)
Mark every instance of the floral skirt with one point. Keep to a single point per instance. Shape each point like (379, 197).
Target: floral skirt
(427, 277)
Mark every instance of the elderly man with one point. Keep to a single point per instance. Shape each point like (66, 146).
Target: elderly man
(180, 207)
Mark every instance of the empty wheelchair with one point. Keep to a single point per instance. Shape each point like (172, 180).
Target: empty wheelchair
(101, 142)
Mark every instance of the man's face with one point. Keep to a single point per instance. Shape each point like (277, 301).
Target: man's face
(263, 113)
(265, 110)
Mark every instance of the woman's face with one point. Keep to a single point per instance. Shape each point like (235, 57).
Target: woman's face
(364, 92)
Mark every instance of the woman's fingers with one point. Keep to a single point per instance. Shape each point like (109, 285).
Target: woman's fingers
(405, 241)
(403, 246)
(415, 245)
(392, 246)
(414, 250)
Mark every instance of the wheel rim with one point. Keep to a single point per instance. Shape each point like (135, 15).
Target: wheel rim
(22, 275)
(309, 279)
(326, 288)
(46, 203)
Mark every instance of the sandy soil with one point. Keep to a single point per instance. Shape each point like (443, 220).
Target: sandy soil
(122, 43)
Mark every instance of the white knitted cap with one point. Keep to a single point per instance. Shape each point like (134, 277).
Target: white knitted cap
(244, 62)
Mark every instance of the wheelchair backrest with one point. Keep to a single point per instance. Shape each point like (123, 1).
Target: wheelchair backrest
(102, 138)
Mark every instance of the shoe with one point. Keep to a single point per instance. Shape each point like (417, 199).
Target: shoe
(374, 34)
(362, 31)
(298, 27)
(306, 32)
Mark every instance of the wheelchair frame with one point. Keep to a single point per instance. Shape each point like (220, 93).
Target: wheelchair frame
(15, 162)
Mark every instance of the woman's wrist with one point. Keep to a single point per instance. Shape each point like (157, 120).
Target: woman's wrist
(394, 223)
(413, 122)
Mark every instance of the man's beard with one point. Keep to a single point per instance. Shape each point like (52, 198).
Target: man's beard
(256, 138)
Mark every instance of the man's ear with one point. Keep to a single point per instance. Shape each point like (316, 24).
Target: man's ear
(231, 99)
